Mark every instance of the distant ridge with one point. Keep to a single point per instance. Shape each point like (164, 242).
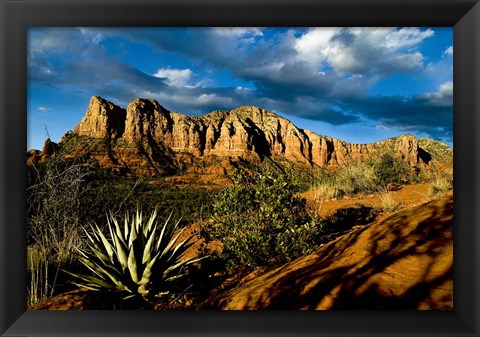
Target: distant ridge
(146, 129)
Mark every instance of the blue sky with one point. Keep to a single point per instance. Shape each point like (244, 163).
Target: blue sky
(357, 84)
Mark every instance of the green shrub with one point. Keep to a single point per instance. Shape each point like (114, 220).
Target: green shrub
(124, 194)
(260, 222)
(138, 258)
(392, 169)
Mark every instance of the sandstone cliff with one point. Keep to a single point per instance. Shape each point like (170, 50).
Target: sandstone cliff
(103, 119)
(246, 132)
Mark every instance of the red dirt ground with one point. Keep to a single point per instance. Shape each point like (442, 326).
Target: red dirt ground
(402, 262)
(407, 196)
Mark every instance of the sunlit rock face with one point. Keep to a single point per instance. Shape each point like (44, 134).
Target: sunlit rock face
(247, 132)
(103, 119)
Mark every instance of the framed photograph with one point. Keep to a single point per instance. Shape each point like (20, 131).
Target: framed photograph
(239, 168)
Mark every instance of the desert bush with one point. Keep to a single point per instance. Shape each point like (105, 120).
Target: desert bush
(354, 179)
(323, 186)
(54, 206)
(349, 180)
(440, 180)
(392, 169)
(110, 192)
(326, 191)
(364, 177)
(439, 186)
(138, 258)
(53, 220)
(261, 222)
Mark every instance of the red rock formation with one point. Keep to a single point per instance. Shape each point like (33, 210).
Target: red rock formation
(103, 119)
(246, 132)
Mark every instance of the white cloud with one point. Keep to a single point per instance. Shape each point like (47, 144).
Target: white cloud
(446, 88)
(314, 45)
(408, 61)
(343, 59)
(209, 99)
(405, 37)
(242, 89)
(448, 51)
(176, 77)
(43, 109)
(442, 97)
(238, 31)
(363, 50)
(94, 35)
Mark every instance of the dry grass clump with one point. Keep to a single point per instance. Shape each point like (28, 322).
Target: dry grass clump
(37, 270)
(346, 181)
(354, 179)
(439, 186)
(441, 182)
(325, 191)
(388, 203)
(53, 223)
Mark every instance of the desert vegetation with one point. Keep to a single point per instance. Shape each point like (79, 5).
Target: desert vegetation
(69, 200)
(139, 258)
(363, 178)
(80, 234)
(142, 226)
(54, 220)
(261, 222)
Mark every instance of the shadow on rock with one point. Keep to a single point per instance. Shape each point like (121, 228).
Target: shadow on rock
(402, 262)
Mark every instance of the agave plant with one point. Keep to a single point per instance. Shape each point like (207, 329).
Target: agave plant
(138, 258)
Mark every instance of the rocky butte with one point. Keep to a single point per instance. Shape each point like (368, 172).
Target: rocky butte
(146, 138)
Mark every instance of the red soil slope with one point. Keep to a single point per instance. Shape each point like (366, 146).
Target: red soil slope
(402, 262)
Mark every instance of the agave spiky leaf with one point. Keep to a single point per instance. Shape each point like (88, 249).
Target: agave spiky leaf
(118, 230)
(92, 281)
(104, 241)
(168, 249)
(161, 241)
(121, 251)
(133, 231)
(179, 249)
(149, 247)
(147, 272)
(149, 225)
(125, 226)
(138, 258)
(98, 249)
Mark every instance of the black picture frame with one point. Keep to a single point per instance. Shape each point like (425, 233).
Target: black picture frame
(18, 15)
